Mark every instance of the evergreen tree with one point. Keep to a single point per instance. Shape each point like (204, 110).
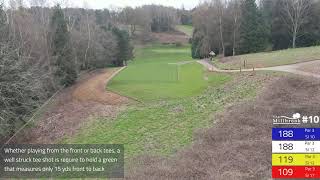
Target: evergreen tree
(3, 25)
(195, 45)
(18, 94)
(280, 37)
(65, 72)
(125, 49)
(253, 30)
(266, 7)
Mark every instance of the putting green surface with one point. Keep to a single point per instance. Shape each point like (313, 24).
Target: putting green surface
(172, 110)
(162, 72)
(164, 127)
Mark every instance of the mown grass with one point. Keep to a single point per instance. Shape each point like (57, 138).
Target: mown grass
(172, 110)
(154, 74)
(167, 123)
(163, 127)
(187, 29)
(269, 59)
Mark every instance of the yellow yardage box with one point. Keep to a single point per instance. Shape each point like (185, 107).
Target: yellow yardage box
(295, 159)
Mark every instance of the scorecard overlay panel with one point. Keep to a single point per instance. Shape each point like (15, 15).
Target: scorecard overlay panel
(296, 147)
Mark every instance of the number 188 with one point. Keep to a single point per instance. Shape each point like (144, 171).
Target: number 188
(286, 133)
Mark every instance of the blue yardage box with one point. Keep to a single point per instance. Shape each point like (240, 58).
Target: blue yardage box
(296, 134)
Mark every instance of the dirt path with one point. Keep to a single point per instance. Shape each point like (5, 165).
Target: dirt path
(94, 89)
(299, 68)
(73, 107)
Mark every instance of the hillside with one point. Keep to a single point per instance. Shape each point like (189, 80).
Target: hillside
(187, 29)
(269, 59)
(138, 91)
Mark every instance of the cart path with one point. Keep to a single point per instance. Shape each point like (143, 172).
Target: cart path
(94, 89)
(291, 68)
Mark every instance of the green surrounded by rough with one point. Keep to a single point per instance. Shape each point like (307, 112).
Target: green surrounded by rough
(187, 29)
(163, 126)
(269, 59)
(162, 72)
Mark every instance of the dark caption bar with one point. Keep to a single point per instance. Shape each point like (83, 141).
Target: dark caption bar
(62, 161)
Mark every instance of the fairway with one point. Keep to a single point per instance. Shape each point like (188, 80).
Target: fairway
(187, 29)
(269, 59)
(159, 90)
(161, 72)
(172, 110)
(164, 127)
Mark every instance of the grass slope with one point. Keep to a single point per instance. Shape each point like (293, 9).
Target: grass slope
(274, 58)
(187, 29)
(163, 127)
(153, 74)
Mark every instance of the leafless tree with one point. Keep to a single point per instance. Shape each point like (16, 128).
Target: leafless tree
(129, 17)
(89, 34)
(235, 8)
(294, 14)
(26, 64)
(219, 7)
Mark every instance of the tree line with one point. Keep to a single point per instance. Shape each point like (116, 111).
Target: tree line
(232, 27)
(153, 18)
(44, 49)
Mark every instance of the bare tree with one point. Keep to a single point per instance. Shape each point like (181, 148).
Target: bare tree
(235, 8)
(220, 8)
(89, 34)
(129, 17)
(27, 65)
(162, 18)
(294, 14)
(204, 21)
